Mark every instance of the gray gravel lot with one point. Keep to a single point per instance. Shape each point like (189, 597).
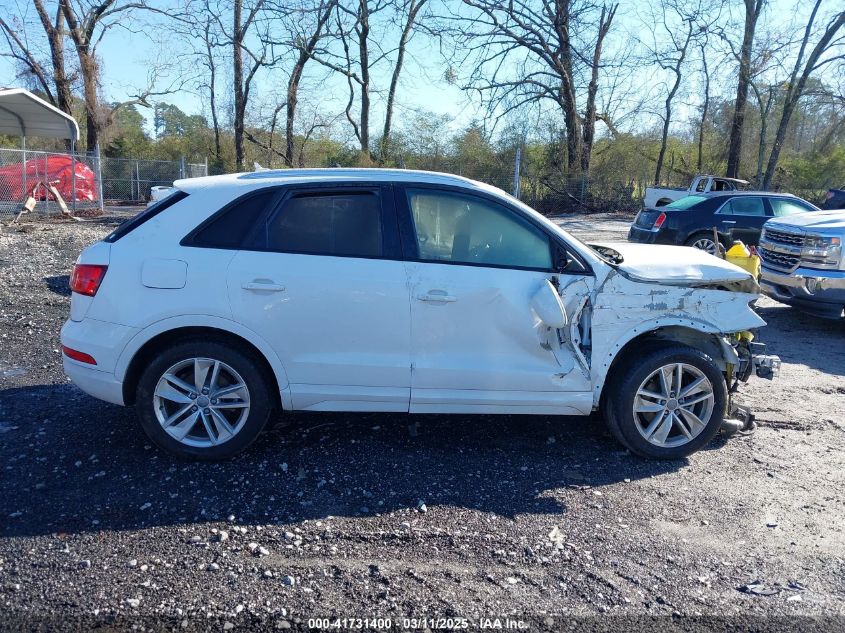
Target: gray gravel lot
(370, 515)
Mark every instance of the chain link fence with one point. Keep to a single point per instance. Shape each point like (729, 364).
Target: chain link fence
(129, 181)
(81, 181)
(50, 179)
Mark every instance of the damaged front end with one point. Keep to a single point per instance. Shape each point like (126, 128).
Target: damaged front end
(687, 296)
(752, 358)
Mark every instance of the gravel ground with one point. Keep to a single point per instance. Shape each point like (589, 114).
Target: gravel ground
(398, 517)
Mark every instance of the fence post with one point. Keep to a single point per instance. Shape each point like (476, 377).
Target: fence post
(182, 167)
(73, 174)
(138, 182)
(516, 162)
(583, 188)
(206, 166)
(23, 165)
(99, 163)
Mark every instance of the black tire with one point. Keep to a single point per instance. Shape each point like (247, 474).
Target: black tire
(260, 400)
(621, 389)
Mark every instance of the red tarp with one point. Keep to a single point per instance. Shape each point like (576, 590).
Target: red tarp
(56, 170)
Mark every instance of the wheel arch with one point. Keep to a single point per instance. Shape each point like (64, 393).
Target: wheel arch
(711, 343)
(141, 348)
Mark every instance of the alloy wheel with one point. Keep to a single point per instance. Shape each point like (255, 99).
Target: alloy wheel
(201, 402)
(673, 405)
(706, 244)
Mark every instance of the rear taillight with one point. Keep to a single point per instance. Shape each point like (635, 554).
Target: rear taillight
(86, 278)
(660, 220)
(828, 195)
(82, 357)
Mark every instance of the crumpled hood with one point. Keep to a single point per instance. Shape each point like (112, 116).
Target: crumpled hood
(679, 266)
(813, 220)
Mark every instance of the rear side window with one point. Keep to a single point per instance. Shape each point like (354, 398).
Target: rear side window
(338, 224)
(228, 229)
(147, 214)
(744, 206)
(686, 202)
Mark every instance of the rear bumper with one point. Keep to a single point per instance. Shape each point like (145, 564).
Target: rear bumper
(104, 342)
(819, 292)
(100, 384)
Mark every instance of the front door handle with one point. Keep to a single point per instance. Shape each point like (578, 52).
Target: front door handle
(438, 296)
(262, 286)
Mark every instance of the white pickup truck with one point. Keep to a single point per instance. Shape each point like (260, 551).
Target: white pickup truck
(661, 196)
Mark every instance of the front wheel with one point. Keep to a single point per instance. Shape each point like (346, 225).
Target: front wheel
(668, 403)
(203, 400)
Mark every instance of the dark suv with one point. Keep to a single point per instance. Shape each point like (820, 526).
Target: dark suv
(736, 215)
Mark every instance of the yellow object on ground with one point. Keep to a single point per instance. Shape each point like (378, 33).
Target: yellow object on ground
(740, 255)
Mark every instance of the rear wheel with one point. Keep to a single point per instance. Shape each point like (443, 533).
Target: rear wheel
(203, 400)
(668, 403)
(704, 242)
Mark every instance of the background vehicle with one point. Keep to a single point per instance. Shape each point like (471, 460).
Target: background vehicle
(803, 262)
(834, 199)
(737, 215)
(661, 196)
(393, 290)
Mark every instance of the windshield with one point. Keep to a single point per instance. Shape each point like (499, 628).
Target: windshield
(686, 202)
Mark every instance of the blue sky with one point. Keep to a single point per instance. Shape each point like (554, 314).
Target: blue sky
(129, 54)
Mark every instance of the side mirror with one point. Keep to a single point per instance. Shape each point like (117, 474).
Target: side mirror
(547, 305)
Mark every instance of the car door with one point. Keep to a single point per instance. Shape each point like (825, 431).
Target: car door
(742, 218)
(321, 278)
(474, 265)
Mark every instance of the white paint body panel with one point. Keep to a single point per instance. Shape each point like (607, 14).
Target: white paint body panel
(483, 346)
(339, 321)
(349, 334)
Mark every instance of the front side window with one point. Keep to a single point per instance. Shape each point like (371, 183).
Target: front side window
(463, 229)
(744, 206)
(334, 224)
(783, 207)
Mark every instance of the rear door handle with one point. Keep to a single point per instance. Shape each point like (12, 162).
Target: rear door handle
(262, 286)
(437, 296)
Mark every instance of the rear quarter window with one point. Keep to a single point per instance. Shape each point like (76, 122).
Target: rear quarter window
(229, 227)
(146, 215)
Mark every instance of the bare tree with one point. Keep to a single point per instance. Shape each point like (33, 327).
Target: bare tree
(243, 76)
(705, 106)
(411, 9)
(304, 37)
(87, 23)
(764, 107)
(536, 51)
(804, 67)
(753, 8)
(683, 25)
(209, 58)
